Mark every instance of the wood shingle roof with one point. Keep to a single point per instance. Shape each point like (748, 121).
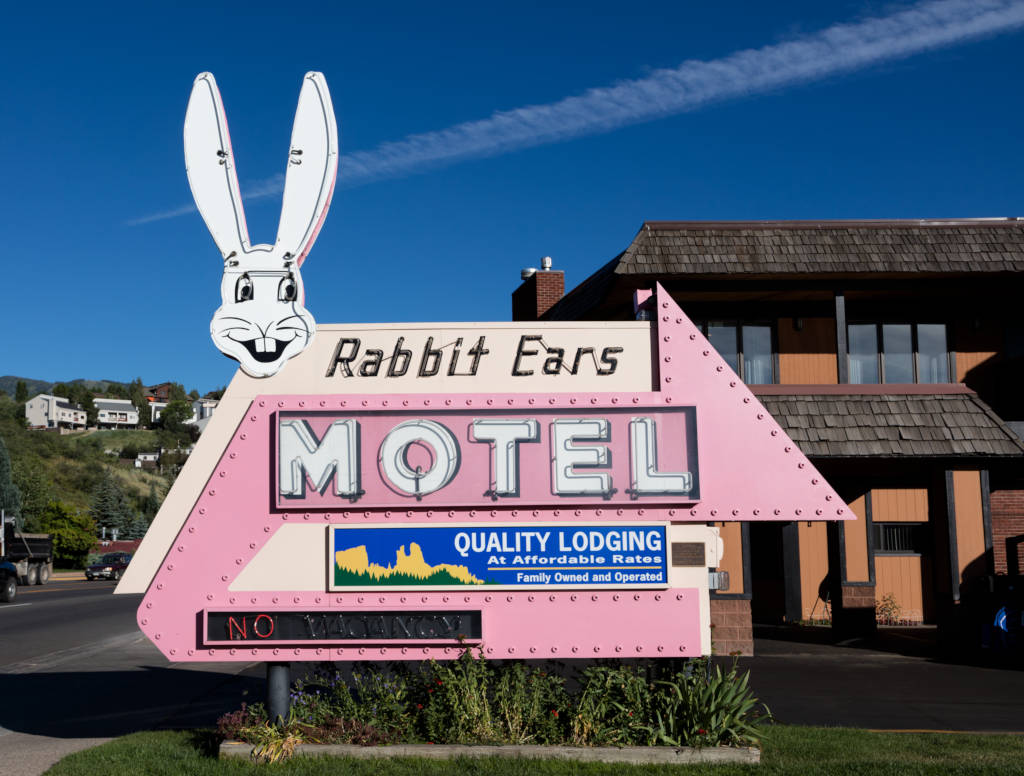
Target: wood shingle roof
(662, 250)
(825, 247)
(884, 425)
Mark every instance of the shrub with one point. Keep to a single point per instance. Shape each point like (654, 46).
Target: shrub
(457, 707)
(888, 610)
(612, 707)
(383, 702)
(530, 705)
(472, 701)
(230, 725)
(706, 708)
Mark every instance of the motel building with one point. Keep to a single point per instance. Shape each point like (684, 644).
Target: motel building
(891, 352)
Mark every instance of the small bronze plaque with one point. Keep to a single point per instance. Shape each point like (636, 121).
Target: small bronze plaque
(688, 554)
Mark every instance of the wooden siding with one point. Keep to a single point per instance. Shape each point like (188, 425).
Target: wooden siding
(968, 360)
(899, 505)
(813, 569)
(975, 342)
(857, 543)
(900, 576)
(732, 555)
(970, 526)
(808, 356)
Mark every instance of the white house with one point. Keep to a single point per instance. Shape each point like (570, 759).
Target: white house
(147, 458)
(46, 411)
(202, 411)
(116, 413)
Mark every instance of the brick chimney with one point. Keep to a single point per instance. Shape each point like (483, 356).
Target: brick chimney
(537, 293)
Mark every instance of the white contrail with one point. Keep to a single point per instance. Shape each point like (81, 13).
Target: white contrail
(837, 49)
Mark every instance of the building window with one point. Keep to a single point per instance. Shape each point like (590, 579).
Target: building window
(746, 347)
(898, 538)
(898, 353)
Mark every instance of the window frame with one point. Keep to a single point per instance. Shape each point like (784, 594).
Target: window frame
(919, 537)
(737, 325)
(914, 345)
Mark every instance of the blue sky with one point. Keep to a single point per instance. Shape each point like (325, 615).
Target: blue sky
(915, 114)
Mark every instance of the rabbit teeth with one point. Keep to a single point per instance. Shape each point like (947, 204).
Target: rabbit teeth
(265, 345)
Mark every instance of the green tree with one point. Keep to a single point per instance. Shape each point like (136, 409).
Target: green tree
(61, 389)
(80, 394)
(36, 493)
(177, 393)
(21, 392)
(193, 394)
(10, 496)
(137, 393)
(74, 533)
(109, 508)
(151, 503)
(175, 414)
(138, 528)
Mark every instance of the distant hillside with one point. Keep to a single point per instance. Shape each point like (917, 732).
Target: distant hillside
(8, 384)
(67, 467)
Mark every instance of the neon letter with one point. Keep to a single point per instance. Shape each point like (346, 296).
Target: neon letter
(301, 454)
(394, 464)
(567, 456)
(506, 434)
(647, 480)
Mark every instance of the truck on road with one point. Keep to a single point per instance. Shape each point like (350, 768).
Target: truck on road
(25, 559)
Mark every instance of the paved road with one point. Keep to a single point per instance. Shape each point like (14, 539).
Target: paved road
(897, 682)
(62, 614)
(79, 672)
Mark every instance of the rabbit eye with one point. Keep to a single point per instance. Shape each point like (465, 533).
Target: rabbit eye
(243, 289)
(286, 290)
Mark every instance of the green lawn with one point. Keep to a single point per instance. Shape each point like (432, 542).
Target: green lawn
(787, 749)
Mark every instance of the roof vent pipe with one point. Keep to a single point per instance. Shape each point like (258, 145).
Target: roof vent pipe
(545, 263)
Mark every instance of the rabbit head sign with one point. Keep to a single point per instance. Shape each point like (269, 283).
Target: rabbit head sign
(262, 321)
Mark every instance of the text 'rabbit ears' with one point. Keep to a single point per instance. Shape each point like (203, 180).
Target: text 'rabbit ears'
(309, 179)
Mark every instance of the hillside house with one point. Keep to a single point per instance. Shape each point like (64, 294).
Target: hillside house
(48, 411)
(116, 413)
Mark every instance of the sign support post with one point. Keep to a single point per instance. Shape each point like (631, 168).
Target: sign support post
(279, 680)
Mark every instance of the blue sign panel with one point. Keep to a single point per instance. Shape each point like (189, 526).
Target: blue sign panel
(469, 556)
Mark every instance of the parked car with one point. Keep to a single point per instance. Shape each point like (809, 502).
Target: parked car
(109, 566)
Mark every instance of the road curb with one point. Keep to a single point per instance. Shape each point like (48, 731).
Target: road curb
(637, 755)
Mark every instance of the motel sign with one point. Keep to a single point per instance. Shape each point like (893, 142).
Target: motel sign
(398, 491)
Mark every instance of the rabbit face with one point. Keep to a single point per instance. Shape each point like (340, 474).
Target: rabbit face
(261, 322)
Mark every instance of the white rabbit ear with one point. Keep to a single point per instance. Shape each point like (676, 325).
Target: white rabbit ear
(312, 169)
(211, 167)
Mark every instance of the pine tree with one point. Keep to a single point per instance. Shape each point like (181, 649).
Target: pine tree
(109, 508)
(21, 392)
(151, 503)
(138, 528)
(137, 393)
(10, 496)
(36, 494)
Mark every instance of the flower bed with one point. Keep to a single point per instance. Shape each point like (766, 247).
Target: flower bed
(473, 701)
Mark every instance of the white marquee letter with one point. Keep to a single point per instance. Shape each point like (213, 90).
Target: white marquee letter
(567, 456)
(300, 454)
(506, 434)
(395, 466)
(643, 448)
